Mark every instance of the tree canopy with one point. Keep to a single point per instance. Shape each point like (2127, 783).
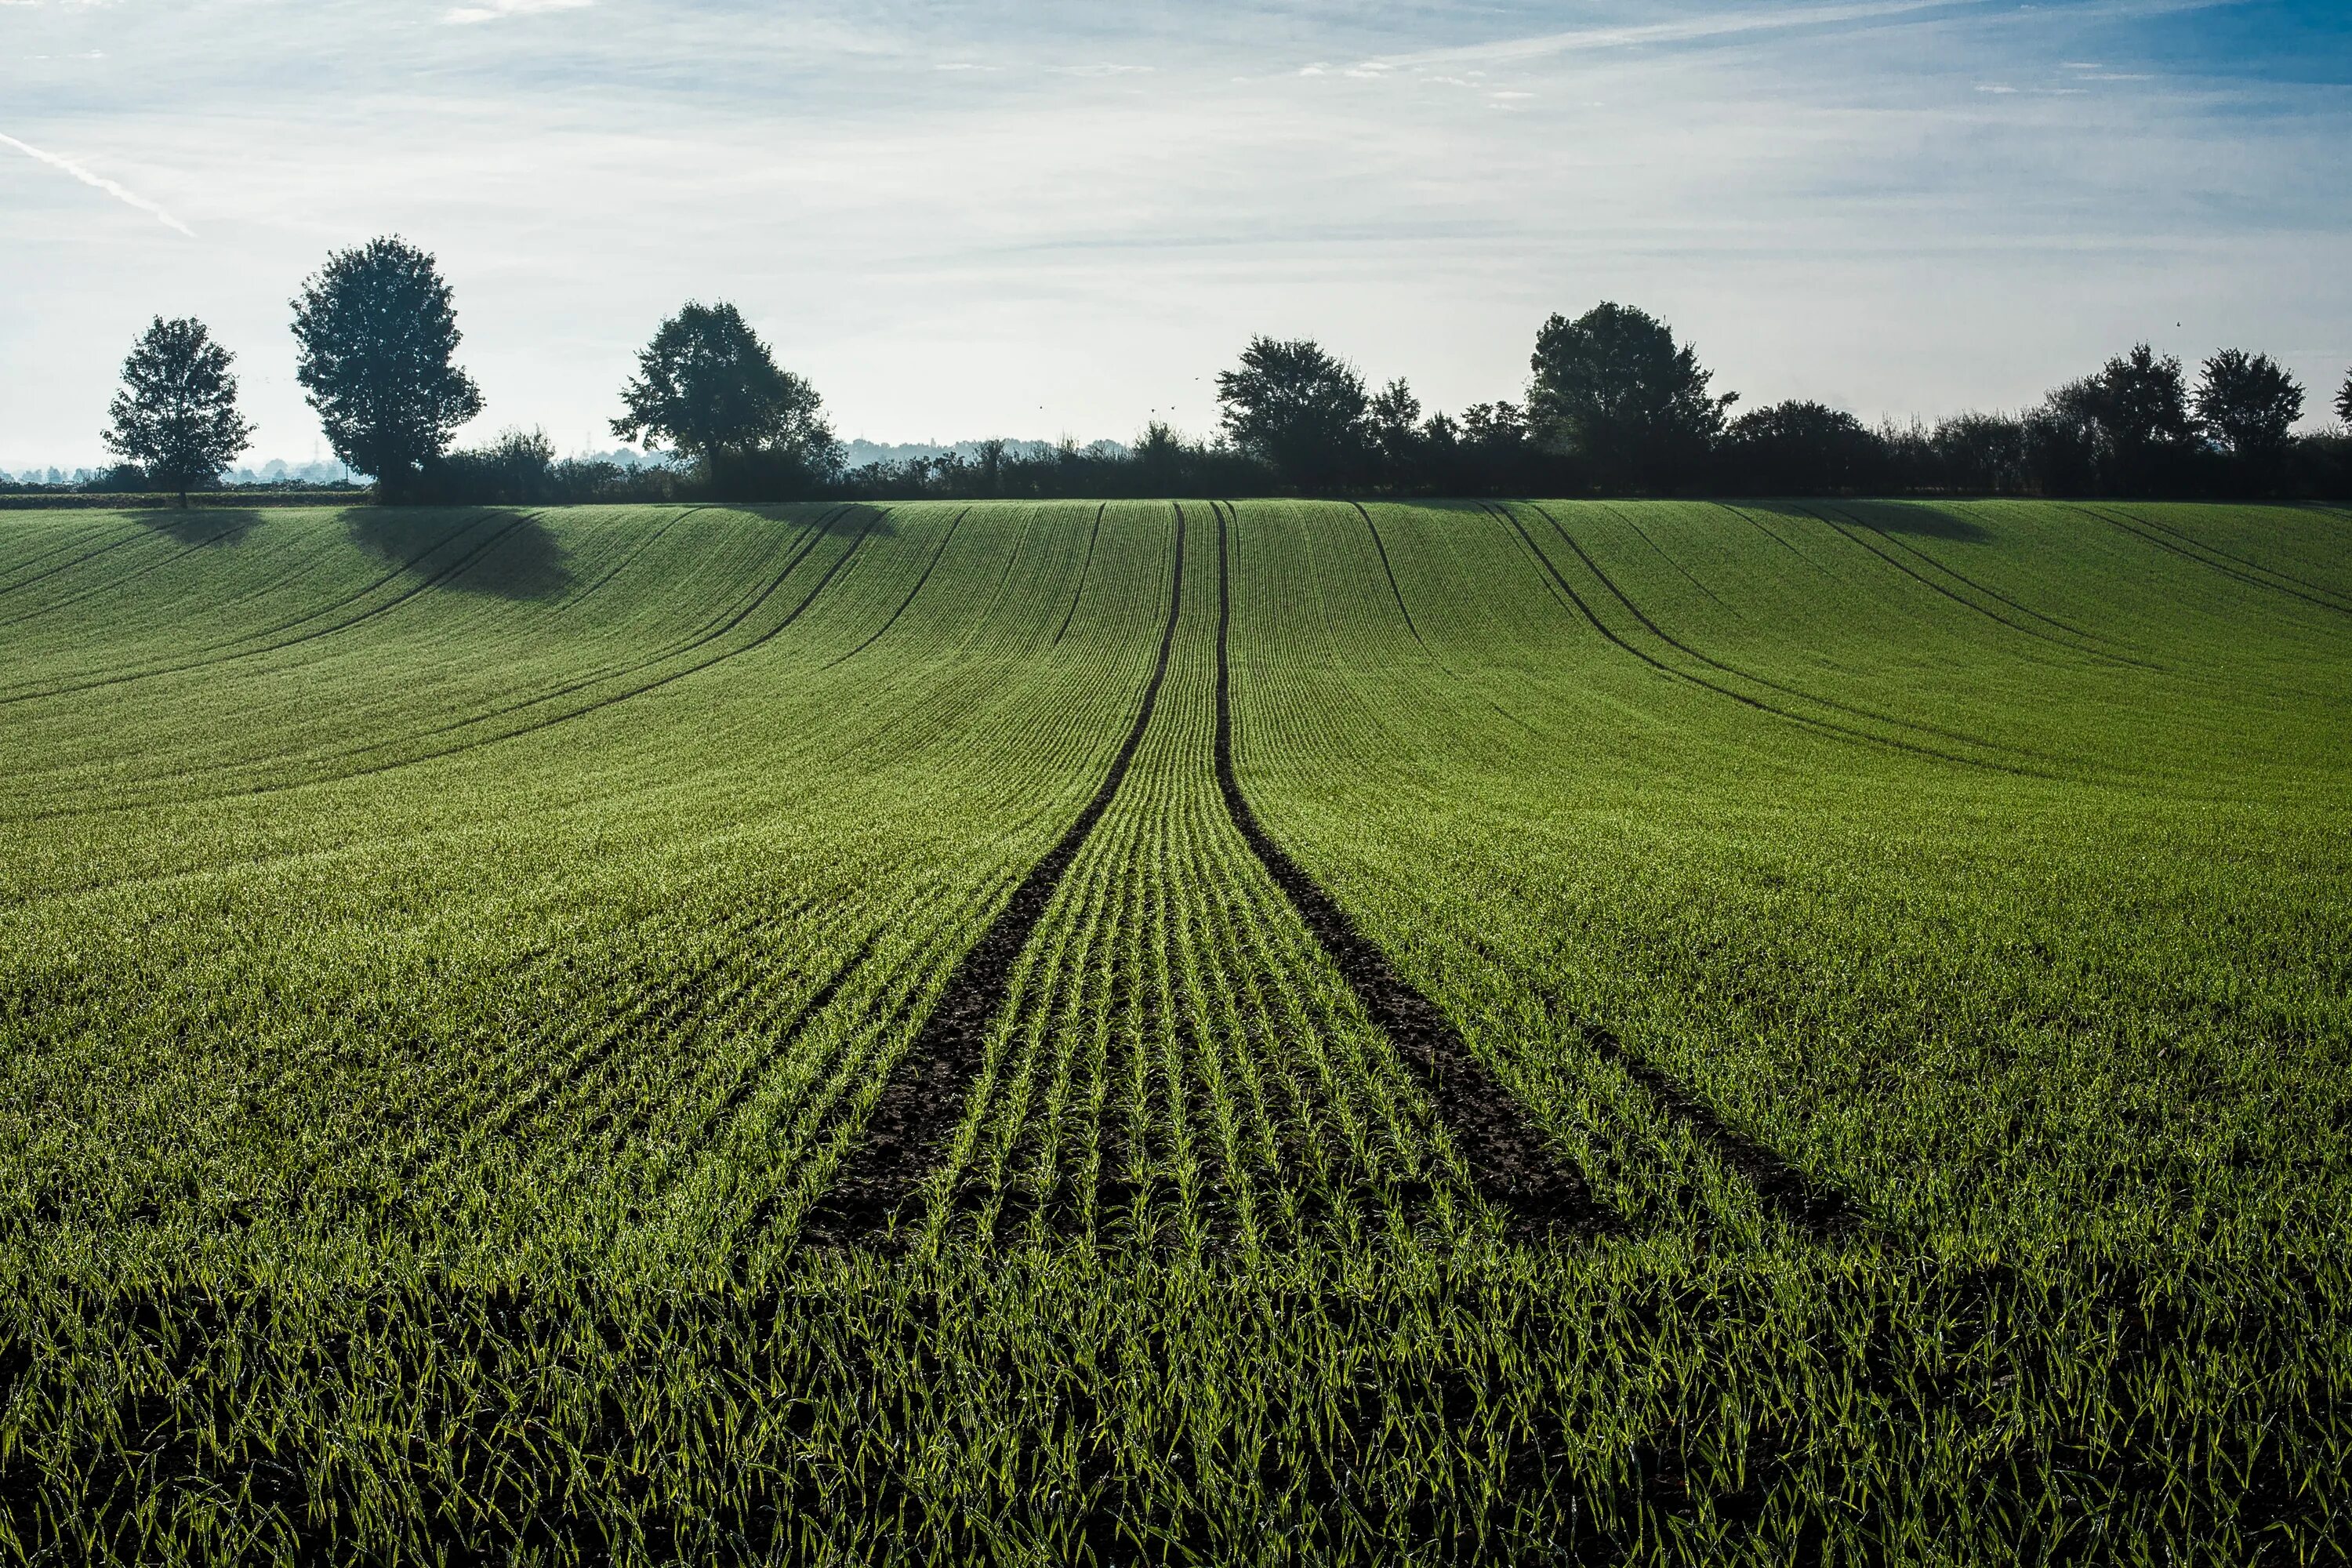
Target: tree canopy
(1613, 388)
(1296, 408)
(707, 387)
(1801, 448)
(378, 338)
(2247, 403)
(176, 416)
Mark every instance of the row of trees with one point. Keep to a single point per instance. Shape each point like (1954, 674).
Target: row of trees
(1614, 405)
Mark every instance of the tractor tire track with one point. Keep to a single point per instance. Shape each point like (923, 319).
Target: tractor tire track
(1077, 593)
(2138, 530)
(439, 576)
(923, 1101)
(711, 631)
(1818, 1209)
(699, 641)
(2190, 541)
(1389, 572)
(1449, 670)
(137, 531)
(1820, 726)
(644, 544)
(1967, 603)
(1766, 681)
(1644, 535)
(1956, 576)
(517, 733)
(929, 568)
(112, 584)
(1511, 1161)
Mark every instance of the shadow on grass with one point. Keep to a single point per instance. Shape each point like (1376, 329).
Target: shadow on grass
(1929, 520)
(500, 551)
(204, 525)
(832, 517)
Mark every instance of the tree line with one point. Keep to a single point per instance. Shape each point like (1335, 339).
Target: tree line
(1614, 405)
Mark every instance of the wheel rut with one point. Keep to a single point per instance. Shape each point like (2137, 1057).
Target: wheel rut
(923, 1101)
(1510, 1160)
(1143, 1081)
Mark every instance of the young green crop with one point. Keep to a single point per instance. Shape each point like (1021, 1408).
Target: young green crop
(446, 958)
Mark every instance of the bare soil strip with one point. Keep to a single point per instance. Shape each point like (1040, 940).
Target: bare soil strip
(924, 1100)
(1511, 1163)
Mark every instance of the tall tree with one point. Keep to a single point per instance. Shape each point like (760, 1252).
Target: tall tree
(1614, 389)
(707, 387)
(2343, 400)
(176, 416)
(1293, 405)
(377, 340)
(1395, 422)
(2140, 403)
(2247, 403)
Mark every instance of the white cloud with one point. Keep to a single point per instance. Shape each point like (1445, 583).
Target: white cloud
(129, 197)
(464, 16)
(1831, 211)
(1690, 29)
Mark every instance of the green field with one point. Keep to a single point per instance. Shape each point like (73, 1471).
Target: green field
(1776, 1033)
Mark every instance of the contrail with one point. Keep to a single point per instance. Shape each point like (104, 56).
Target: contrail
(131, 197)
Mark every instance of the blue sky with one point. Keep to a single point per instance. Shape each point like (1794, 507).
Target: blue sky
(1038, 219)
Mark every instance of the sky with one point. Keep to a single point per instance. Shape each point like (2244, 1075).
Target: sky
(981, 217)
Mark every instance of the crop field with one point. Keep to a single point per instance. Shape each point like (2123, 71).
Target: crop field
(1276, 1033)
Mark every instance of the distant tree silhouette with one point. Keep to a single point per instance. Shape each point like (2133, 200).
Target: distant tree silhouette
(708, 386)
(176, 416)
(2343, 400)
(2140, 403)
(1981, 452)
(1293, 407)
(376, 337)
(1614, 389)
(2247, 405)
(517, 468)
(2067, 448)
(1800, 449)
(1394, 419)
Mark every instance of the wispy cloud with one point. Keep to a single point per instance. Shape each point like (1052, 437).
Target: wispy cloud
(119, 192)
(465, 16)
(1690, 29)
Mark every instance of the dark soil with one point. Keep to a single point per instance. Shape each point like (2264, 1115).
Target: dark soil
(1511, 1161)
(924, 1099)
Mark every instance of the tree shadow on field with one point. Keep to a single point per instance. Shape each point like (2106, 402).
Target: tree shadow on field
(201, 525)
(496, 550)
(832, 517)
(863, 517)
(1925, 518)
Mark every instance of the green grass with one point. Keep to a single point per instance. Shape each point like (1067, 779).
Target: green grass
(446, 958)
